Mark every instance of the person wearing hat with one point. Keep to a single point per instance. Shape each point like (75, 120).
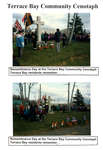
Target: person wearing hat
(20, 42)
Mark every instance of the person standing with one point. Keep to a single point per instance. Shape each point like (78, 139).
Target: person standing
(20, 43)
(64, 39)
(21, 110)
(45, 38)
(57, 39)
(34, 40)
(25, 39)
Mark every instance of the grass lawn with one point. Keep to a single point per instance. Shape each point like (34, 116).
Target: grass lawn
(28, 128)
(76, 54)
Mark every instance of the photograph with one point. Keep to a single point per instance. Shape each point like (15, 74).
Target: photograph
(51, 109)
(48, 39)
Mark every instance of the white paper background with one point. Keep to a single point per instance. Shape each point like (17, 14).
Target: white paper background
(6, 125)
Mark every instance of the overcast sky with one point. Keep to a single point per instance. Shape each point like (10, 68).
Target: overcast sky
(58, 20)
(57, 91)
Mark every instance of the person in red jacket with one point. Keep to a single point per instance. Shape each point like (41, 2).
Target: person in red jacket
(21, 108)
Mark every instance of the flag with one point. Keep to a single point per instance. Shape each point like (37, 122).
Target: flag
(18, 25)
(27, 19)
(24, 19)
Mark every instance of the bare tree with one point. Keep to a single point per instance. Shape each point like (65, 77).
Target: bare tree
(25, 90)
(21, 90)
(30, 85)
(68, 30)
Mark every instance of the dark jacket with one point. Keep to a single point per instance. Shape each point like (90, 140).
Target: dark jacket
(45, 37)
(57, 36)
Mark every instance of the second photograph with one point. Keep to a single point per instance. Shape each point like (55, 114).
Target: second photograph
(41, 109)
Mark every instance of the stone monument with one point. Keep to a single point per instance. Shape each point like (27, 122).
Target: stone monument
(49, 103)
(39, 23)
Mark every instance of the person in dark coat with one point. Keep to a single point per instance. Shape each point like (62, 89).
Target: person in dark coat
(34, 40)
(45, 38)
(57, 39)
(26, 39)
(64, 39)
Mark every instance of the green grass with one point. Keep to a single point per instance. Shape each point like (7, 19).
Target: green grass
(26, 127)
(76, 54)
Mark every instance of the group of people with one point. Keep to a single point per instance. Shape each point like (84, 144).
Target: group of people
(59, 107)
(82, 37)
(23, 40)
(32, 111)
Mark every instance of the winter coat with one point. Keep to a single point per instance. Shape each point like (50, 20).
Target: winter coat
(57, 36)
(20, 41)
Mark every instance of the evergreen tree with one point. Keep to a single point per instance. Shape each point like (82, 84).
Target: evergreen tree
(78, 27)
(78, 99)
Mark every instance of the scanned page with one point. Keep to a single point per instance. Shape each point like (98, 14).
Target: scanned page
(51, 77)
